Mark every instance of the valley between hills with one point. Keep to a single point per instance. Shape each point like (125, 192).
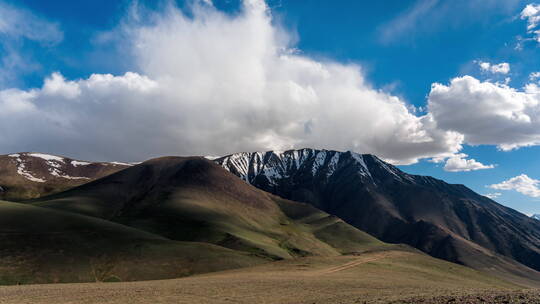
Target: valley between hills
(299, 226)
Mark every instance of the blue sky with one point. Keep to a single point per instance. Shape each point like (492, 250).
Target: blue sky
(393, 48)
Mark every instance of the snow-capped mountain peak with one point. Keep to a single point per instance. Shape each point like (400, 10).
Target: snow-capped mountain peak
(276, 166)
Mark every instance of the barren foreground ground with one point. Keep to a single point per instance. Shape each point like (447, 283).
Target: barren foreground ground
(381, 277)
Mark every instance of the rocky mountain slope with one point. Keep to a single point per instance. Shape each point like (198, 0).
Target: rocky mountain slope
(31, 175)
(447, 221)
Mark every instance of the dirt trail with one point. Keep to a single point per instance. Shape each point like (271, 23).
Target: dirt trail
(357, 262)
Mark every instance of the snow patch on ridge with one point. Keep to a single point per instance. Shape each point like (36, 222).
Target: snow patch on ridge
(332, 165)
(318, 162)
(275, 166)
(272, 174)
(74, 177)
(55, 171)
(398, 174)
(240, 162)
(364, 168)
(120, 164)
(21, 169)
(76, 163)
(55, 165)
(47, 157)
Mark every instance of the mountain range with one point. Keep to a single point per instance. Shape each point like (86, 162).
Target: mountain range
(76, 221)
(447, 221)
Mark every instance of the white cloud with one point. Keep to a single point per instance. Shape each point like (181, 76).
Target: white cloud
(408, 20)
(501, 68)
(531, 13)
(17, 25)
(57, 85)
(493, 195)
(522, 184)
(487, 113)
(213, 84)
(13, 102)
(425, 17)
(460, 163)
(15, 22)
(534, 76)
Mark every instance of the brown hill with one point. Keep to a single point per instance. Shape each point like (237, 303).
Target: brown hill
(31, 175)
(193, 199)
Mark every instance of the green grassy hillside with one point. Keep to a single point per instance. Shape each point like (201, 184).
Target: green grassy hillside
(41, 245)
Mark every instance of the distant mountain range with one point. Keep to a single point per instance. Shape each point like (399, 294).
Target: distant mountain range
(85, 217)
(536, 216)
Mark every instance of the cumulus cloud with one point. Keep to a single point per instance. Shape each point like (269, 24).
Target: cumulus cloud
(212, 84)
(487, 113)
(522, 184)
(460, 163)
(501, 68)
(67, 117)
(531, 13)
